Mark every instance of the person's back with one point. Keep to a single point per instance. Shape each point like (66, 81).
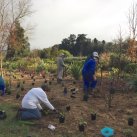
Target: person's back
(89, 67)
(31, 100)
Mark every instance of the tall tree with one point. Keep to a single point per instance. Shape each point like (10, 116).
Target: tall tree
(132, 21)
(18, 44)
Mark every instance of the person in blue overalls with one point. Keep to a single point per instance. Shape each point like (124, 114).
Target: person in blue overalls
(2, 86)
(88, 73)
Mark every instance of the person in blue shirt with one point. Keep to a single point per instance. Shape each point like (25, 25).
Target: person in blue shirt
(88, 73)
(2, 86)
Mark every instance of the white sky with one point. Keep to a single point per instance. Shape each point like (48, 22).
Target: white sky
(57, 19)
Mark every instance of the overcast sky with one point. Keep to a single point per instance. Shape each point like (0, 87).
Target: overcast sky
(57, 19)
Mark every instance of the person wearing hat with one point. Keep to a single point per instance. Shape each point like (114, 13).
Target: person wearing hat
(60, 67)
(31, 108)
(88, 73)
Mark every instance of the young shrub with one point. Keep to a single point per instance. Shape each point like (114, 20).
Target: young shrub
(128, 132)
(75, 69)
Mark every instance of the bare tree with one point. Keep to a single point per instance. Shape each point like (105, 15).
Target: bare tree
(10, 12)
(132, 21)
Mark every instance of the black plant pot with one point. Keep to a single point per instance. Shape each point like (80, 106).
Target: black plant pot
(93, 116)
(45, 81)
(81, 128)
(130, 121)
(85, 98)
(68, 108)
(3, 114)
(17, 96)
(8, 92)
(112, 91)
(65, 91)
(22, 88)
(61, 119)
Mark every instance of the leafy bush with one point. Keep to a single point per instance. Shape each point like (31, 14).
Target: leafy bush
(131, 68)
(75, 69)
(65, 52)
(115, 61)
(134, 82)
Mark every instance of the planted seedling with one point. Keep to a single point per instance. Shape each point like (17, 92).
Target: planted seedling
(112, 90)
(45, 81)
(17, 96)
(72, 96)
(82, 125)
(130, 121)
(33, 83)
(62, 117)
(22, 88)
(50, 82)
(18, 84)
(74, 82)
(65, 91)
(128, 132)
(85, 98)
(2, 114)
(68, 108)
(93, 114)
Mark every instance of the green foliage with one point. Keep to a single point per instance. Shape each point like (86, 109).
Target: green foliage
(70, 60)
(131, 68)
(133, 82)
(75, 69)
(82, 122)
(118, 62)
(65, 52)
(40, 67)
(128, 132)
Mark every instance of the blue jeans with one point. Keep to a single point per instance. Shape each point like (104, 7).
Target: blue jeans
(2, 88)
(27, 114)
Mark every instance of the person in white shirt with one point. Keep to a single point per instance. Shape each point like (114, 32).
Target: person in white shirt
(31, 108)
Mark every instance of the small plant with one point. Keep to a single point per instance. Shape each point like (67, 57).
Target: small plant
(130, 121)
(93, 114)
(68, 108)
(65, 91)
(50, 82)
(82, 125)
(18, 85)
(17, 96)
(85, 98)
(75, 69)
(61, 117)
(128, 132)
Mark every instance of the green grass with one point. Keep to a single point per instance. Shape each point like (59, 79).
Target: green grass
(10, 127)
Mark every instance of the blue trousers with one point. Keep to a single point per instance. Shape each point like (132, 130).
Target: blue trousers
(89, 83)
(28, 114)
(2, 88)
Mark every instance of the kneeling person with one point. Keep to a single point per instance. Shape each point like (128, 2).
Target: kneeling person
(31, 108)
